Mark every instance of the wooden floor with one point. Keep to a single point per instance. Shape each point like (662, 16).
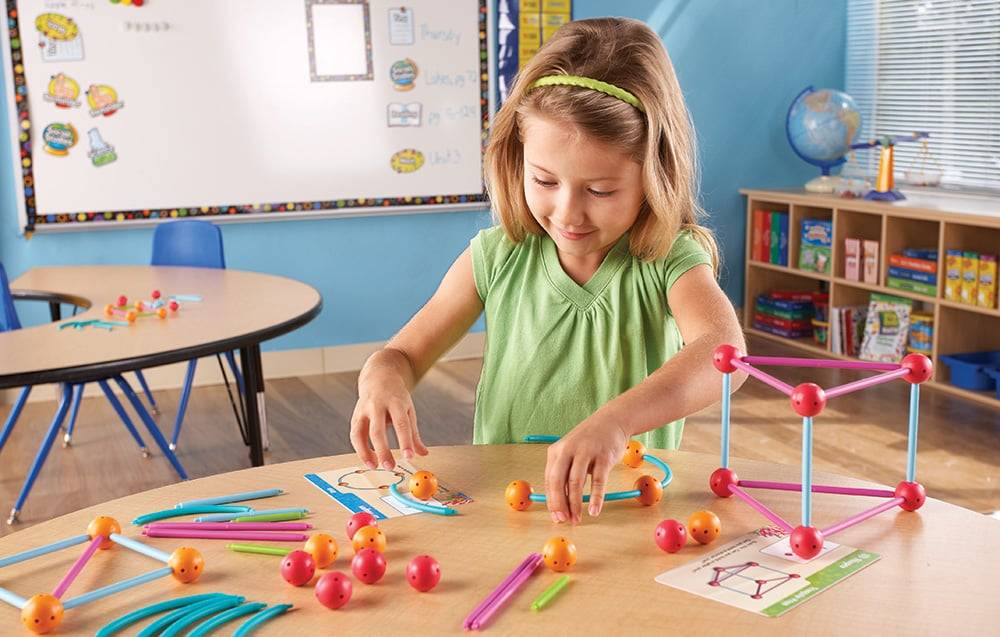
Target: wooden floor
(861, 435)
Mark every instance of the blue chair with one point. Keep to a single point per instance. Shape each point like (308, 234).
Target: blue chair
(71, 393)
(196, 244)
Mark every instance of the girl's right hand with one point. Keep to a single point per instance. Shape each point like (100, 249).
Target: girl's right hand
(384, 400)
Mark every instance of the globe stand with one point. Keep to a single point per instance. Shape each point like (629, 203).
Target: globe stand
(825, 184)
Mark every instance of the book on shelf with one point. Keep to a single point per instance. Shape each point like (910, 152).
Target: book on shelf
(870, 263)
(815, 245)
(769, 241)
(887, 327)
(852, 259)
(846, 329)
(920, 265)
(953, 275)
(912, 275)
(927, 254)
(986, 290)
(970, 277)
(924, 289)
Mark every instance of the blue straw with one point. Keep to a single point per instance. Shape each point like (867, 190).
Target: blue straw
(726, 384)
(541, 438)
(421, 506)
(807, 460)
(12, 598)
(911, 439)
(249, 625)
(139, 547)
(176, 513)
(44, 550)
(225, 517)
(154, 609)
(208, 626)
(116, 588)
(186, 297)
(236, 497)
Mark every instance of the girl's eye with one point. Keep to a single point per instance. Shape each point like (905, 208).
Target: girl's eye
(598, 193)
(543, 184)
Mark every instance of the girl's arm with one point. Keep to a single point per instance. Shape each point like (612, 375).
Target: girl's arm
(686, 383)
(390, 374)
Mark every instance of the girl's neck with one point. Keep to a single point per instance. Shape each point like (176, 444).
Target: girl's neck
(582, 268)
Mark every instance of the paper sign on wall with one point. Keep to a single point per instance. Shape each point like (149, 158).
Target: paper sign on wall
(401, 26)
(59, 38)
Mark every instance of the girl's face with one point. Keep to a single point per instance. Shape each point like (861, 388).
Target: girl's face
(584, 193)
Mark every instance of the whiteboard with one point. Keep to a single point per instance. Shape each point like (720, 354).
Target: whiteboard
(245, 108)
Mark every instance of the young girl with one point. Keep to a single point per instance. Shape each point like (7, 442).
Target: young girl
(602, 308)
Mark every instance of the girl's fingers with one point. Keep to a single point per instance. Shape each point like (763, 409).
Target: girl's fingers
(380, 441)
(404, 429)
(556, 471)
(419, 445)
(359, 440)
(574, 487)
(598, 486)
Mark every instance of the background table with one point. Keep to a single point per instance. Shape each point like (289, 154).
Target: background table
(936, 574)
(239, 310)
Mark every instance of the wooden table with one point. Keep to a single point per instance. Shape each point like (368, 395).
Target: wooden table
(936, 574)
(239, 310)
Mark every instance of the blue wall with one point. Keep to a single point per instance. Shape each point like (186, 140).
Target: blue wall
(740, 64)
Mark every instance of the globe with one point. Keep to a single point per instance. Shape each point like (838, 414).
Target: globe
(821, 126)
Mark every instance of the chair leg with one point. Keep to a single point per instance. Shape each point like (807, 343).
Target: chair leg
(74, 409)
(14, 414)
(145, 389)
(43, 452)
(123, 415)
(231, 357)
(182, 408)
(151, 426)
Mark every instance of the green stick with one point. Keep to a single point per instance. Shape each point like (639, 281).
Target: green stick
(549, 593)
(270, 517)
(257, 548)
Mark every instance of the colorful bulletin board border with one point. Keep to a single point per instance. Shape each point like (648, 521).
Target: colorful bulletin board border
(26, 131)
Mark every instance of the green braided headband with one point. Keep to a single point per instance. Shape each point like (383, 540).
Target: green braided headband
(591, 83)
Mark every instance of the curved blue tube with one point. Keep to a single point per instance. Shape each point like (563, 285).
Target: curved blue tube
(668, 475)
(249, 625)
(203, 611)
(540, 438)
(209, 625)
(193, 510)
(138, 615)
(421, 506)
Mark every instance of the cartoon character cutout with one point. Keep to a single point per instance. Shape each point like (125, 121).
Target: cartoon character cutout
(59, 38)
(103, 100)
(101, 153)
(62, 91)
(59, 138)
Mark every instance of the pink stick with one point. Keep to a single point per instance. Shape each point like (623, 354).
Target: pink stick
(78, 566)
(785, 361)
(763, 510)
(763, 377)
(467, 624)
(507, 593)
(231, 526)
(255, 536)
(861, 517)
(817, 488)
(833, 392)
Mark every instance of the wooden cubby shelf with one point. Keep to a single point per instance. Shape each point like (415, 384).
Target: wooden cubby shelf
(941, 221)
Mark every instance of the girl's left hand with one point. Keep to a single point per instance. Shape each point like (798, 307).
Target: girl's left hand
(593, 447)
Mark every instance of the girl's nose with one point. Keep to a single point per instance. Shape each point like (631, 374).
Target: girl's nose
(569, 210)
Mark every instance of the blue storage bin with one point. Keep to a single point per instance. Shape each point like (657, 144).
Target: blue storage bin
(994, 373)
(969, 371)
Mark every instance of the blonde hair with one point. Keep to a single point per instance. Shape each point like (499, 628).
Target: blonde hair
(629, 55)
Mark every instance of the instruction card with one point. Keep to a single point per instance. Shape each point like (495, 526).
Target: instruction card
(361, 489)
(758, 572)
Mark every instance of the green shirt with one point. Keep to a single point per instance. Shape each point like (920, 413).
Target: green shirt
(556, 350)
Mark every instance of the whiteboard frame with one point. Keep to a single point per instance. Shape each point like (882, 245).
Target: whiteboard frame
(27, 229)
